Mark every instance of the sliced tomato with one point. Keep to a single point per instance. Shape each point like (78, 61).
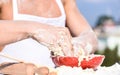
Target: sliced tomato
(67, 61)
(92, 61)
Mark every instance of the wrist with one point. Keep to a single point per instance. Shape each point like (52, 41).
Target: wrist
(35, 27)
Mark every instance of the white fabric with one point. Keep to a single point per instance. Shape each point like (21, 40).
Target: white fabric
(29, 50)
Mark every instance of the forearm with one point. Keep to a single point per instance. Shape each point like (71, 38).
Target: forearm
(85, 38)
(12, 31)
(77, 25)
(75, 20)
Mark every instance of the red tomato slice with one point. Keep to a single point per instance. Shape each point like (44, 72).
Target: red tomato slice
(67, 61)
(93, 61)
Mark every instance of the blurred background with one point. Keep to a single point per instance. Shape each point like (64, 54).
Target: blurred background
(104, 17)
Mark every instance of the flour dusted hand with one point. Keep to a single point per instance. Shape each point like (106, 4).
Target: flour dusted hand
(85, 43)
(57, 39)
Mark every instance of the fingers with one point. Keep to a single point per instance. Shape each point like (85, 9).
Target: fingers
(19, 69)
(30, 69)
(65, 42)
(52, 73)
(66, 47)
(42, 71)
(77, 47)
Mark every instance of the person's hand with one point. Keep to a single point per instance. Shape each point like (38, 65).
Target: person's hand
(85, 43)
(17, 68)
(57, 39)
(24, 69)
(44, 71)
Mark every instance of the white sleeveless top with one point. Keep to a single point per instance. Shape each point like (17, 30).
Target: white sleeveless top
(29, 50)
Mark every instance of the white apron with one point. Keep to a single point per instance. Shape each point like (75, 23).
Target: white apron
(29, 50)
